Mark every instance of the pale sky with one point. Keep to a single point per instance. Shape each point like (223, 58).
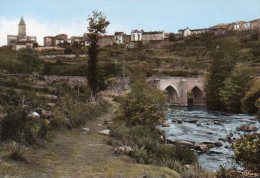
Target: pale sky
(51, 17)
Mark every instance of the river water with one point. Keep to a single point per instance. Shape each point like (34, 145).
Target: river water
(208, 127)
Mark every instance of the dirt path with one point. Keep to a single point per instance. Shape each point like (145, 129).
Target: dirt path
(80, 154)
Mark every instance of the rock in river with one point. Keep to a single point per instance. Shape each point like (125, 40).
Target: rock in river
(202, 148)
(247, 128)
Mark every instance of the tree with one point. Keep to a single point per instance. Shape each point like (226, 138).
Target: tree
(172, 37)
(223, 61)
(250, 98)
(254, 35)
(97, 27)
(143, 105)
(235, 87)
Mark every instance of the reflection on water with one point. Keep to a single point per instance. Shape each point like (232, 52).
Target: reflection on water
(208, 126)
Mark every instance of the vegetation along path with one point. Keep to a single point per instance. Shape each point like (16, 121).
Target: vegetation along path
(80, 153)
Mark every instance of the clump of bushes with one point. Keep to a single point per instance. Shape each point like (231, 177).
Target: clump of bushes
(250, 98)
(140, 113)
(16, 151)
(247, 151)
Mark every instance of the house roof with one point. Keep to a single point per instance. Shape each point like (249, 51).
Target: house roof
(137, 31)
(154, 32)
(22, 21)
(119, 33)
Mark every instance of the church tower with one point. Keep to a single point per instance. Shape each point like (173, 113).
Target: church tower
(22, 29)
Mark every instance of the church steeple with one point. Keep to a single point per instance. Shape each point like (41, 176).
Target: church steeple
(21, 29)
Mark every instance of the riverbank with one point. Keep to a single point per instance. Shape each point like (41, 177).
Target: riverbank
(79, 153)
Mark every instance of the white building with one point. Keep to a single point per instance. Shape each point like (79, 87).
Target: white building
(119, 37)
(186, 32)
(136, 35)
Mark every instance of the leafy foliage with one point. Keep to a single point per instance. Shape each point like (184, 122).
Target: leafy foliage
(97, 26)
(247, 151)
(254, 35)
(143, 105)
(250, 98)
(235, 87)
(223, 61)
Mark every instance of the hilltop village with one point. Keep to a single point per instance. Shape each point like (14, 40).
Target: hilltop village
(62, 41)
(144, 104)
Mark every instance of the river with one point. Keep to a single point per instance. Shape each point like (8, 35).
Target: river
(199, 125)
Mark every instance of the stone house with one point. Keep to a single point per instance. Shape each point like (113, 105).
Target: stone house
(106, 40)
(48, 41)
(119, 37)
(153, 36)
(185, 32)
(255, 24)
(195, 32)
(77, 42)
(60, 40)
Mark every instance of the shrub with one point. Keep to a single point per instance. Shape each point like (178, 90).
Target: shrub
(249, 100)
(16, 151)
(227, 173)
(235, 87)
(143, 105)
(247, 151)
(254, 35)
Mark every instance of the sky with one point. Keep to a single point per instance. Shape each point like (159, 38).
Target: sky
(52, 17)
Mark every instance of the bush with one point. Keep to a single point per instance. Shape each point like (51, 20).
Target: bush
(247, 151)
(249, 100)
(16, 151)
(227, 173)
(235, 87)
(254, 35)
(143, 105)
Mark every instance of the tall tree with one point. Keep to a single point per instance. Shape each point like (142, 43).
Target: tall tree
(97, 27)
(235, 87)
(223, 61)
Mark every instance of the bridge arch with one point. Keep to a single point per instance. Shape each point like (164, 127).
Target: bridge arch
(197, 96)
(173, 96)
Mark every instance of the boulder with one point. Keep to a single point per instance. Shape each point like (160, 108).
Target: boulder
(247, 128)
(218, 144)
(33, 115)
(46, 114)
(105, 132)
(86, 129)
(46, 122)
(162, 138)
(50, 105)
(179, 121)
(123, 149)
(174, 120)
(165, 125)
(168, 141)
(181, 143)
(209, 144)
(185, 143)
(203, 148)
(52, 97)
(216, 122)
(193, 121)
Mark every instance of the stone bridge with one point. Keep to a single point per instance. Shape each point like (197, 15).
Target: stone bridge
(182, 90)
